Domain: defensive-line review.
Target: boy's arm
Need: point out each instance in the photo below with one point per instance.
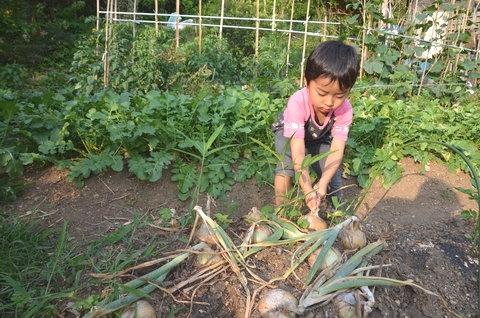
(297, 146)
(332, 164)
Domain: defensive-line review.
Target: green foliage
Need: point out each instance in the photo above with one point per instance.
(381, 125)
(12, 76)
(34, 271)
(9, 191)
(163, 103)
(471, 214)
(40, 34)
(92, 133)
(149, 62)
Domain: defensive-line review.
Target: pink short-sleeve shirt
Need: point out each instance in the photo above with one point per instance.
(299, 119)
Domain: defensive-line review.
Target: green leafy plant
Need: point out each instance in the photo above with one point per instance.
(13, 76)
(380, 126)
(9, 191)
(215, 167)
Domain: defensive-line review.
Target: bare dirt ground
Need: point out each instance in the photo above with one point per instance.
(418, 217)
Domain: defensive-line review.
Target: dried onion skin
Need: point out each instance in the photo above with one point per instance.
(277, 303)
(139, 309)
(353, 237)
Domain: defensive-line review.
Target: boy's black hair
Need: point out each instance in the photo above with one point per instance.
(335, 60)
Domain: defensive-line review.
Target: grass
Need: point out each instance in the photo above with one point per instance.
(33, 273)
(41, 269)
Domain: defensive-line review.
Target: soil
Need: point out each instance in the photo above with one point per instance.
(419, 217)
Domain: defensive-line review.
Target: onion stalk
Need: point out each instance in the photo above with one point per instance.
(157, 276)
(332, 256)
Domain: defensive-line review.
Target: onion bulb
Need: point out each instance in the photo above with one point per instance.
(139, 309)
(277, 303)
(345, 304)
(204, 235)
(332, 256)
(207, 259)
(314, 222)
(352, 236)
(261, 233)
(253, 215)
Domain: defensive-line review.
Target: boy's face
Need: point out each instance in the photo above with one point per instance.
(326, 94)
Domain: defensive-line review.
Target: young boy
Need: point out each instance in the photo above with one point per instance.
(317, 119)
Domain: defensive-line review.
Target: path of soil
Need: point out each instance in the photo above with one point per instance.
(419, 218)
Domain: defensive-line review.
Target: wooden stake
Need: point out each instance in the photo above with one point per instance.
(156, 17)
(106, 67)
(134, 18)
(134, 29)
(304, 44)
(289, 38)
(177, 26)
(364, 34)
(325, 28)
(115, 14)
(199, 26)
(273, 14)
(98, 15)
(97, 28)
(221, 20)
(257, 28)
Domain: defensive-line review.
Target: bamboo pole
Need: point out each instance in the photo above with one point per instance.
(462, 30)
(115, 14)
(449, 61)
(273, 14)
(177, 26)
(289, 38)
(257, 29)
(199, 26)
(134, 29)
(257, 36)
(325, 19)
(304, 44)
(134, 19)
(364, 34)
(98, 15)
(156, 17)
(106, 67)
(97, 26)
(221, 20)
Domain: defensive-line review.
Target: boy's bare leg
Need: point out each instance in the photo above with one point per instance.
(282, 185)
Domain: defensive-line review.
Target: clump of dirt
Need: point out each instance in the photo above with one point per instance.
(419, 217)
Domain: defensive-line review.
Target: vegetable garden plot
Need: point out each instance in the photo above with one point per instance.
(343, 280)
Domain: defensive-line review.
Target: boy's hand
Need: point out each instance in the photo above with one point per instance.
(312, 200)
(321, 191)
